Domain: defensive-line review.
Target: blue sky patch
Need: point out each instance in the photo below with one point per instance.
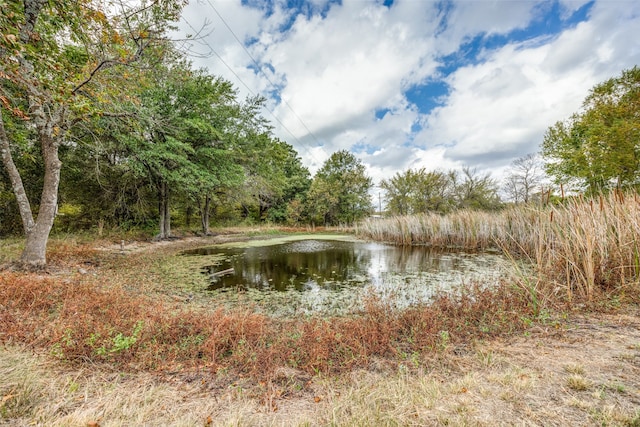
(363, 147)
(548, 22)
(427, 96)
(381, 112)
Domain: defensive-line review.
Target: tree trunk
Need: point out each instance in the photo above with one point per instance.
(36, 243)
(16, 181)
(167, 214)
(205, 213)
(37, 232)
(188, 215)
(163, 210)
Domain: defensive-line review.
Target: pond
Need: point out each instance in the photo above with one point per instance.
(333, 274)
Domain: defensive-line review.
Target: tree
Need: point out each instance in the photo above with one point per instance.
(295, 183)
(475, 191)
(599, 148)
(418, 191)
(524, 177)
(58, 62)
(98, 180)
(182, 142)
(399, 192)
(210, 108)
(339, 192)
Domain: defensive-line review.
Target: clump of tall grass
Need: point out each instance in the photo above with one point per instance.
(580, 247)
(591, 246)
(465, 228)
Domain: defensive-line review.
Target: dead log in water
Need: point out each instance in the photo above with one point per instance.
(222, 273)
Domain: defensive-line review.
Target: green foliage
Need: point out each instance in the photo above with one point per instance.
(63, 64)
(118, 343)
(139, 144)
(597, 149)
(339, 193)
(475, 191)
(418, 191)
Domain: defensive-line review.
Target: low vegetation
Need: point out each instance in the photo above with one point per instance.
(130, 140)
(78, 320)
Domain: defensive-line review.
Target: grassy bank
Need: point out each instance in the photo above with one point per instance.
(586, 374)
(82, 320)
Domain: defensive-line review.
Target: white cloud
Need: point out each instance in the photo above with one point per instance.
(335, 71)
(500, 109)
(468, 19)
(342, 68)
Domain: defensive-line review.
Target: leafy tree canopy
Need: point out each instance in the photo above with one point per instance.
(599, 147)
(419, 191)
(339, 192)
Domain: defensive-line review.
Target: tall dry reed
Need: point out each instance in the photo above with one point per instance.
(579, 247)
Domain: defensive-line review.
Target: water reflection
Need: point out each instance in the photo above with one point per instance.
(324, 272)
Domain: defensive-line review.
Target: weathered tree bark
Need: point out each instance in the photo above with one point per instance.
(37, 231)
(163, 210)
(49, 126)
(16, 181)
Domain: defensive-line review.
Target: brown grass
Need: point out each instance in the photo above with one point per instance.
(519, 380)
(82, 322)
(580, 249)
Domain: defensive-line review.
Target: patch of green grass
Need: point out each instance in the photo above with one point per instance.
(10, 249)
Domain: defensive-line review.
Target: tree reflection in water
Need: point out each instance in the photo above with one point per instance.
(334, 276)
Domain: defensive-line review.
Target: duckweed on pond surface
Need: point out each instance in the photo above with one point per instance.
(331, 275)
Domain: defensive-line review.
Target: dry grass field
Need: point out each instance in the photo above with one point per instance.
(585, 372)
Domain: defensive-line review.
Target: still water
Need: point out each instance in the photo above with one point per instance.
(334, 276)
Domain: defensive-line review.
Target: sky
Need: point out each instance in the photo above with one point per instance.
(410, 83)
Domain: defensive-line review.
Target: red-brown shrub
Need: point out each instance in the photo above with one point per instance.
(83, 322)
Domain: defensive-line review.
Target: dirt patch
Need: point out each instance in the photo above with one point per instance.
(587, 374)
